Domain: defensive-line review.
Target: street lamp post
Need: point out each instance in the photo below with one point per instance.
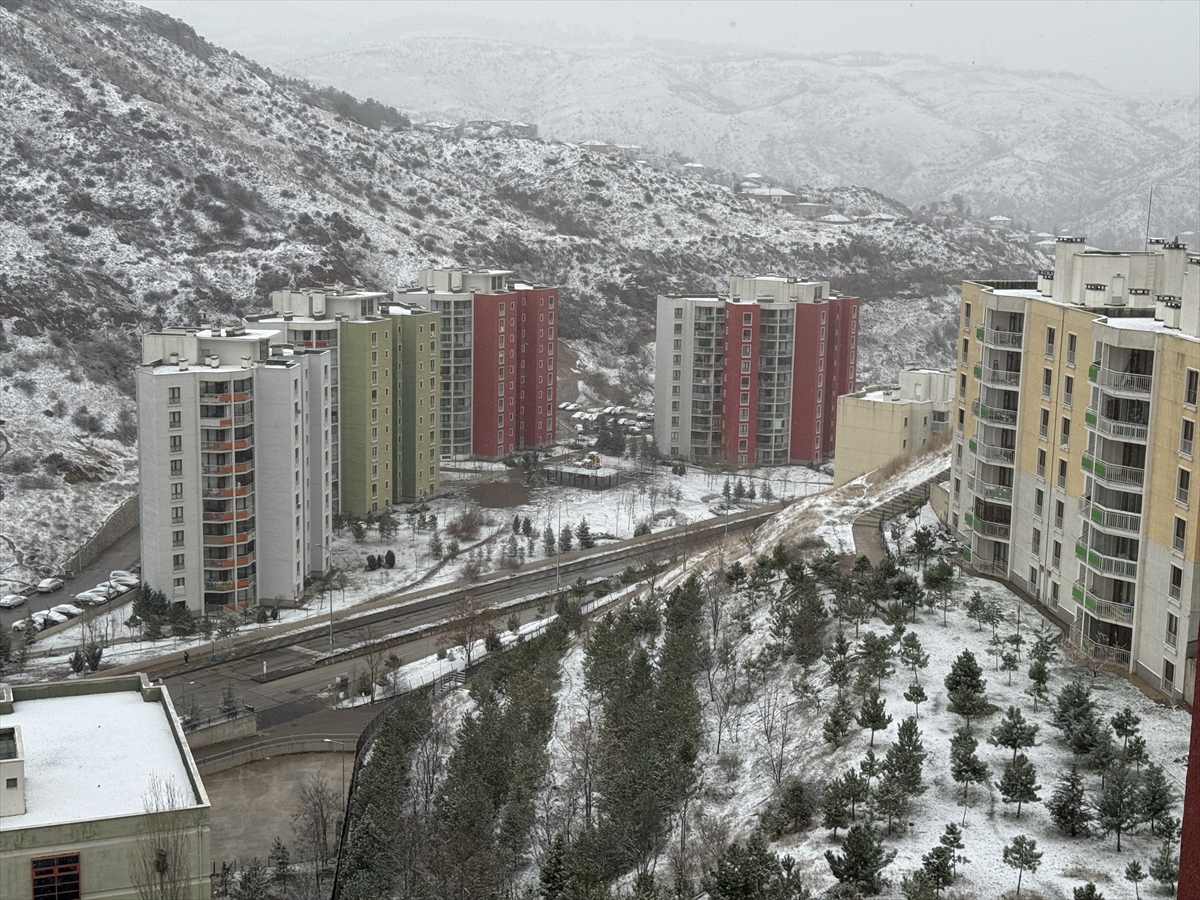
(331, 618)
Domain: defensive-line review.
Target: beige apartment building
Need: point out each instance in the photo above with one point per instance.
(101, 796)
(1073, 452)
(885, 422)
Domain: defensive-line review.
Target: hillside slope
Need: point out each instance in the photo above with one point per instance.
(148, 177)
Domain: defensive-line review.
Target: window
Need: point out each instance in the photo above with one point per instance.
(1172, 629)
(1062, 473)
(679, 312)
(966, 350)
(745, 384)
(745, 365)
(176, 513)
(678, 329)
(1168, 674)
(176, 443)
(178, 582)
(1072, 340)
(1064, 434)
(1038, 497)
(56, 878)
(374, 338)
(1058, 514)
(743, 399)
(1035, 546)
(676, 374)
(746, 335)
(746, 351)
(1041, 464)
(747, 319)
(962, 386)
(1191, 387)
(744, 430)
(957, 487)
(677, 344)
(175, 419)
(177, 491)
(1187, 437)
(1050, 343)
(1047, 381)
(961, 417)
(173, 396)
(1068, 391)
(1054, 592)
(1180, 537)
(177, 561)
(1184, 485)
(744, 414)
(1056, 556)
(177, 468)
(966, 315)
(1175, 586)
(1044, 424)
(176, 538)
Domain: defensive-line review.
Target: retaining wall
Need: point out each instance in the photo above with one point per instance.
(119, 521)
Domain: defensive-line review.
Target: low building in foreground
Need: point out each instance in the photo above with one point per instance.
(100, 795)
(891, 421)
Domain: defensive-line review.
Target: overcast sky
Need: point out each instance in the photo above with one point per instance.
(1138, 47)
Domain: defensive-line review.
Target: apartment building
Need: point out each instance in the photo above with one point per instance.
(235, 466)
(498, 360)
(376, 459)
(891, 421)
(415, 348)
(1072, 458)
(752, 378)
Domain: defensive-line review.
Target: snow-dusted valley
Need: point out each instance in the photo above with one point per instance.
(147, 177)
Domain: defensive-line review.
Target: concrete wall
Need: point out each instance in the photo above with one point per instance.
(939, 500)
(219, 732)
(119, 521)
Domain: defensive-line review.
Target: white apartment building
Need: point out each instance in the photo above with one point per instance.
(235, 468)
(1074, 441)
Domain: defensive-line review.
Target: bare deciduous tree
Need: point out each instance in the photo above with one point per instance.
(469, 624)
(160, 861)
(314, 821)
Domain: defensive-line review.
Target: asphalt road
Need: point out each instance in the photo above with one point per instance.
(295, 673)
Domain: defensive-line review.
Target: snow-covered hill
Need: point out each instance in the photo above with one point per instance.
(148, 177)
(1048, 148)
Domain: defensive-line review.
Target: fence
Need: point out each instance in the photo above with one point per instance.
(239, 756)
(119, 521)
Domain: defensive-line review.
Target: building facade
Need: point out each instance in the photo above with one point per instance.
(498, 360)
(1073, 447)
(131, 821)
(752, 378)
(887, 422)
(235, 468)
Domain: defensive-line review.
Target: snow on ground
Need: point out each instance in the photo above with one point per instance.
(737, 791)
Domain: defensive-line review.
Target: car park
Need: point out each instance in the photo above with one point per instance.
(91, 598)
(67, 609)
(50, 618)
(109, 589)
(124, 578)
(50, 585)
(12, 601)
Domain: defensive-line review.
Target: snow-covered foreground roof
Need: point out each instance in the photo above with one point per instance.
(92, 756)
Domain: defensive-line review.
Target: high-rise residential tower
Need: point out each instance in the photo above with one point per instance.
(1073, 453)
(753, 378)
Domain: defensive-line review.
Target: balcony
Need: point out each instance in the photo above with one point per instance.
(1114, 520)
(216, 445)
(1004, 455)
(999, 492)
(218, 540)
(1121, 613)
(1002, 377)
(1114, 428)
(1107, 565)
(1126, 382)
(993, 337)
(1117, 476)
(992, 415)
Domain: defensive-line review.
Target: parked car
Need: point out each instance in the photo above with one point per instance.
(124, 578)
(21, 624)
(50, 585)
(51, 618)
(67, 609)
(12, 601)
(110, 589)
(92, 598)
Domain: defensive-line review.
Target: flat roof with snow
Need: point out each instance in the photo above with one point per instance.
(92, 756)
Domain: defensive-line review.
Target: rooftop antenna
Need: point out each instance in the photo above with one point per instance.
(1149, 207)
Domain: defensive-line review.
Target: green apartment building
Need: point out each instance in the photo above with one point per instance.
(367, 416)
(415, 457)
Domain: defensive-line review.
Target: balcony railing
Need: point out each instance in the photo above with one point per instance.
(992, 452)
(1120, 381)
(998, 376)
(1129, 431)
(1121, 476)
(1108, 565)
(1103, 609)
(994, 491)
(991, 529)
(1113, 520)
(995, 338)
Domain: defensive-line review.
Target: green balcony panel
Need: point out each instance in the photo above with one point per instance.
(1090, 418)
(1081, 551)
(1077, 592)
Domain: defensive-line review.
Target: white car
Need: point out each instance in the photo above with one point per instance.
(66, 609)
(109, 589)
(20, 625)
(124, 578)
(50, 585)
(91, 598)
(50, 618)
(12, 601)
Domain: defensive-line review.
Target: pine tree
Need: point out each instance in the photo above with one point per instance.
(1009, 662)
(966, 767)
(1117, 803)
(739, 490)
(965, 686)
(906, 757)
(862, 860)
(565, 540)
(1039, 677)
(1068, 805)
(281, 859)
(917, 885)
(527, 527)
(253, 884)
(1135, 874)
(952, 838)
(875, 665)
(1156, 800)
(1087, 892)
(1075, 712)
(890, 801)
(584, 532)
(916, 696)
(727, 492)
(837, 722)
(1019, 783)
(1023, 855)
(435, 546)
(912, 654)
(548, 542)
(856, 789)
(553, 875)
(872, 714)
(835, 806)
(975, 610)
(1136, 753)
(1014, 732)
(870, 767)
(1125, 724)
(1164, 868)
(938, 864)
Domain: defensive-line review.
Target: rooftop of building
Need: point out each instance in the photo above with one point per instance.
(92, 749)
(337, 290)
(198, 368)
